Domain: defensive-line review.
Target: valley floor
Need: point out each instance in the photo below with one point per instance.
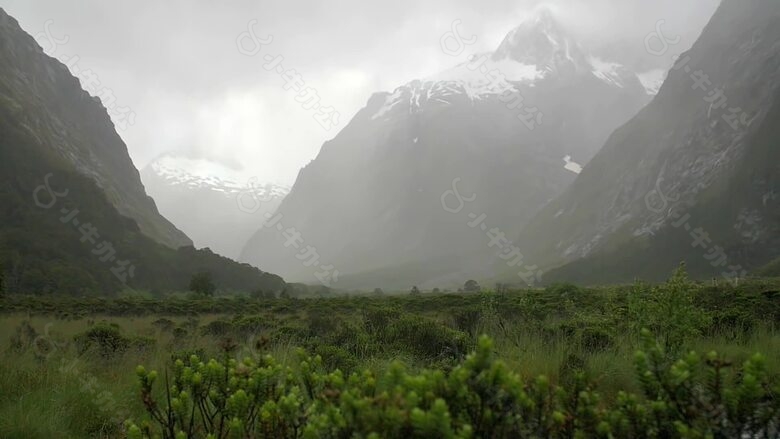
(69, 365)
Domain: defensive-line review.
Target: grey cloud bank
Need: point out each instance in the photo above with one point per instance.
(177, 66)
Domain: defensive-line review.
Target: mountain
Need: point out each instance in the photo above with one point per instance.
(78, 131)
(694, 176)
(74, 218)
(502, 123)
(214, 205)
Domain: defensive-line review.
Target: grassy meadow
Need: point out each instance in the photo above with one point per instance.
(69, 366)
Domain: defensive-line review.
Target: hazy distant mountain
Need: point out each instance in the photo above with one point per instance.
(370, 203)
(214, 205)
(74, 217)
(678, 182)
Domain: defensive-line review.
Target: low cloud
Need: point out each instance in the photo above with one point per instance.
(177, 66)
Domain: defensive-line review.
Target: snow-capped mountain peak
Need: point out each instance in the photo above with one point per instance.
(501, 119)
(541, 41)
(537, 51)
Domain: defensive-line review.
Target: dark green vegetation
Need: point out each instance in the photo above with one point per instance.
(772, 269)
(562, 362)
(202, 284)
(692, 397)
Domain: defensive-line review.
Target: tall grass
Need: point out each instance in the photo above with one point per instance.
(558, 333)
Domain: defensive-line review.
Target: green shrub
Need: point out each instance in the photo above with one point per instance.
(691, 397)
(354, 339)
(185, 354)
(468, 320)
(103, 338)
(217, 328)
(732, 323)
(564, 290)
(321, 322)
(595, 339)
(376, 321)
(471, 286)
(202, 284)
(23, 338)
(179, 333)
(107, 340)
(668, 310)
(251, 325)
(428, 339)
(163, 324)
(336, 357)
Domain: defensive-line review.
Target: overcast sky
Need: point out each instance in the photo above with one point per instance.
(177, 66)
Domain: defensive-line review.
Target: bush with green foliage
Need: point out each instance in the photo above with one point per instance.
(107, 341)
(468, 320)
(693, 397)
(563, 332)
(669, 310)
(2, 280)
(202, 284)
(427, 339)
(259, 294)
(471, 286)
(217, 328)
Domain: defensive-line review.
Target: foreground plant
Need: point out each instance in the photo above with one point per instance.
(694, 397)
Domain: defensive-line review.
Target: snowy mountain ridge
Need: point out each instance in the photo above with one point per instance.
(515, 125)
(538, 50)
(177, 170)
(217, 206)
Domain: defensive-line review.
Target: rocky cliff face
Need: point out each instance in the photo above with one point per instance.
(503, 123)
(693, 177)
(69, 123)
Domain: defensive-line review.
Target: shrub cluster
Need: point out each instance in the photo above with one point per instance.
(107, 341)
(693, 397)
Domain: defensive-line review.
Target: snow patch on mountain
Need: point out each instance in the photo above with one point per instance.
(481, 70)
(391, 101)
(609, 72)
(178, 170)
(652, 80)
(571, 165)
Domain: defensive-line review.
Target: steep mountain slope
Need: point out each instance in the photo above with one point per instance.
(60, 231)
(214, 205)
(679, 182)
(62, 116)
(502, 123)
